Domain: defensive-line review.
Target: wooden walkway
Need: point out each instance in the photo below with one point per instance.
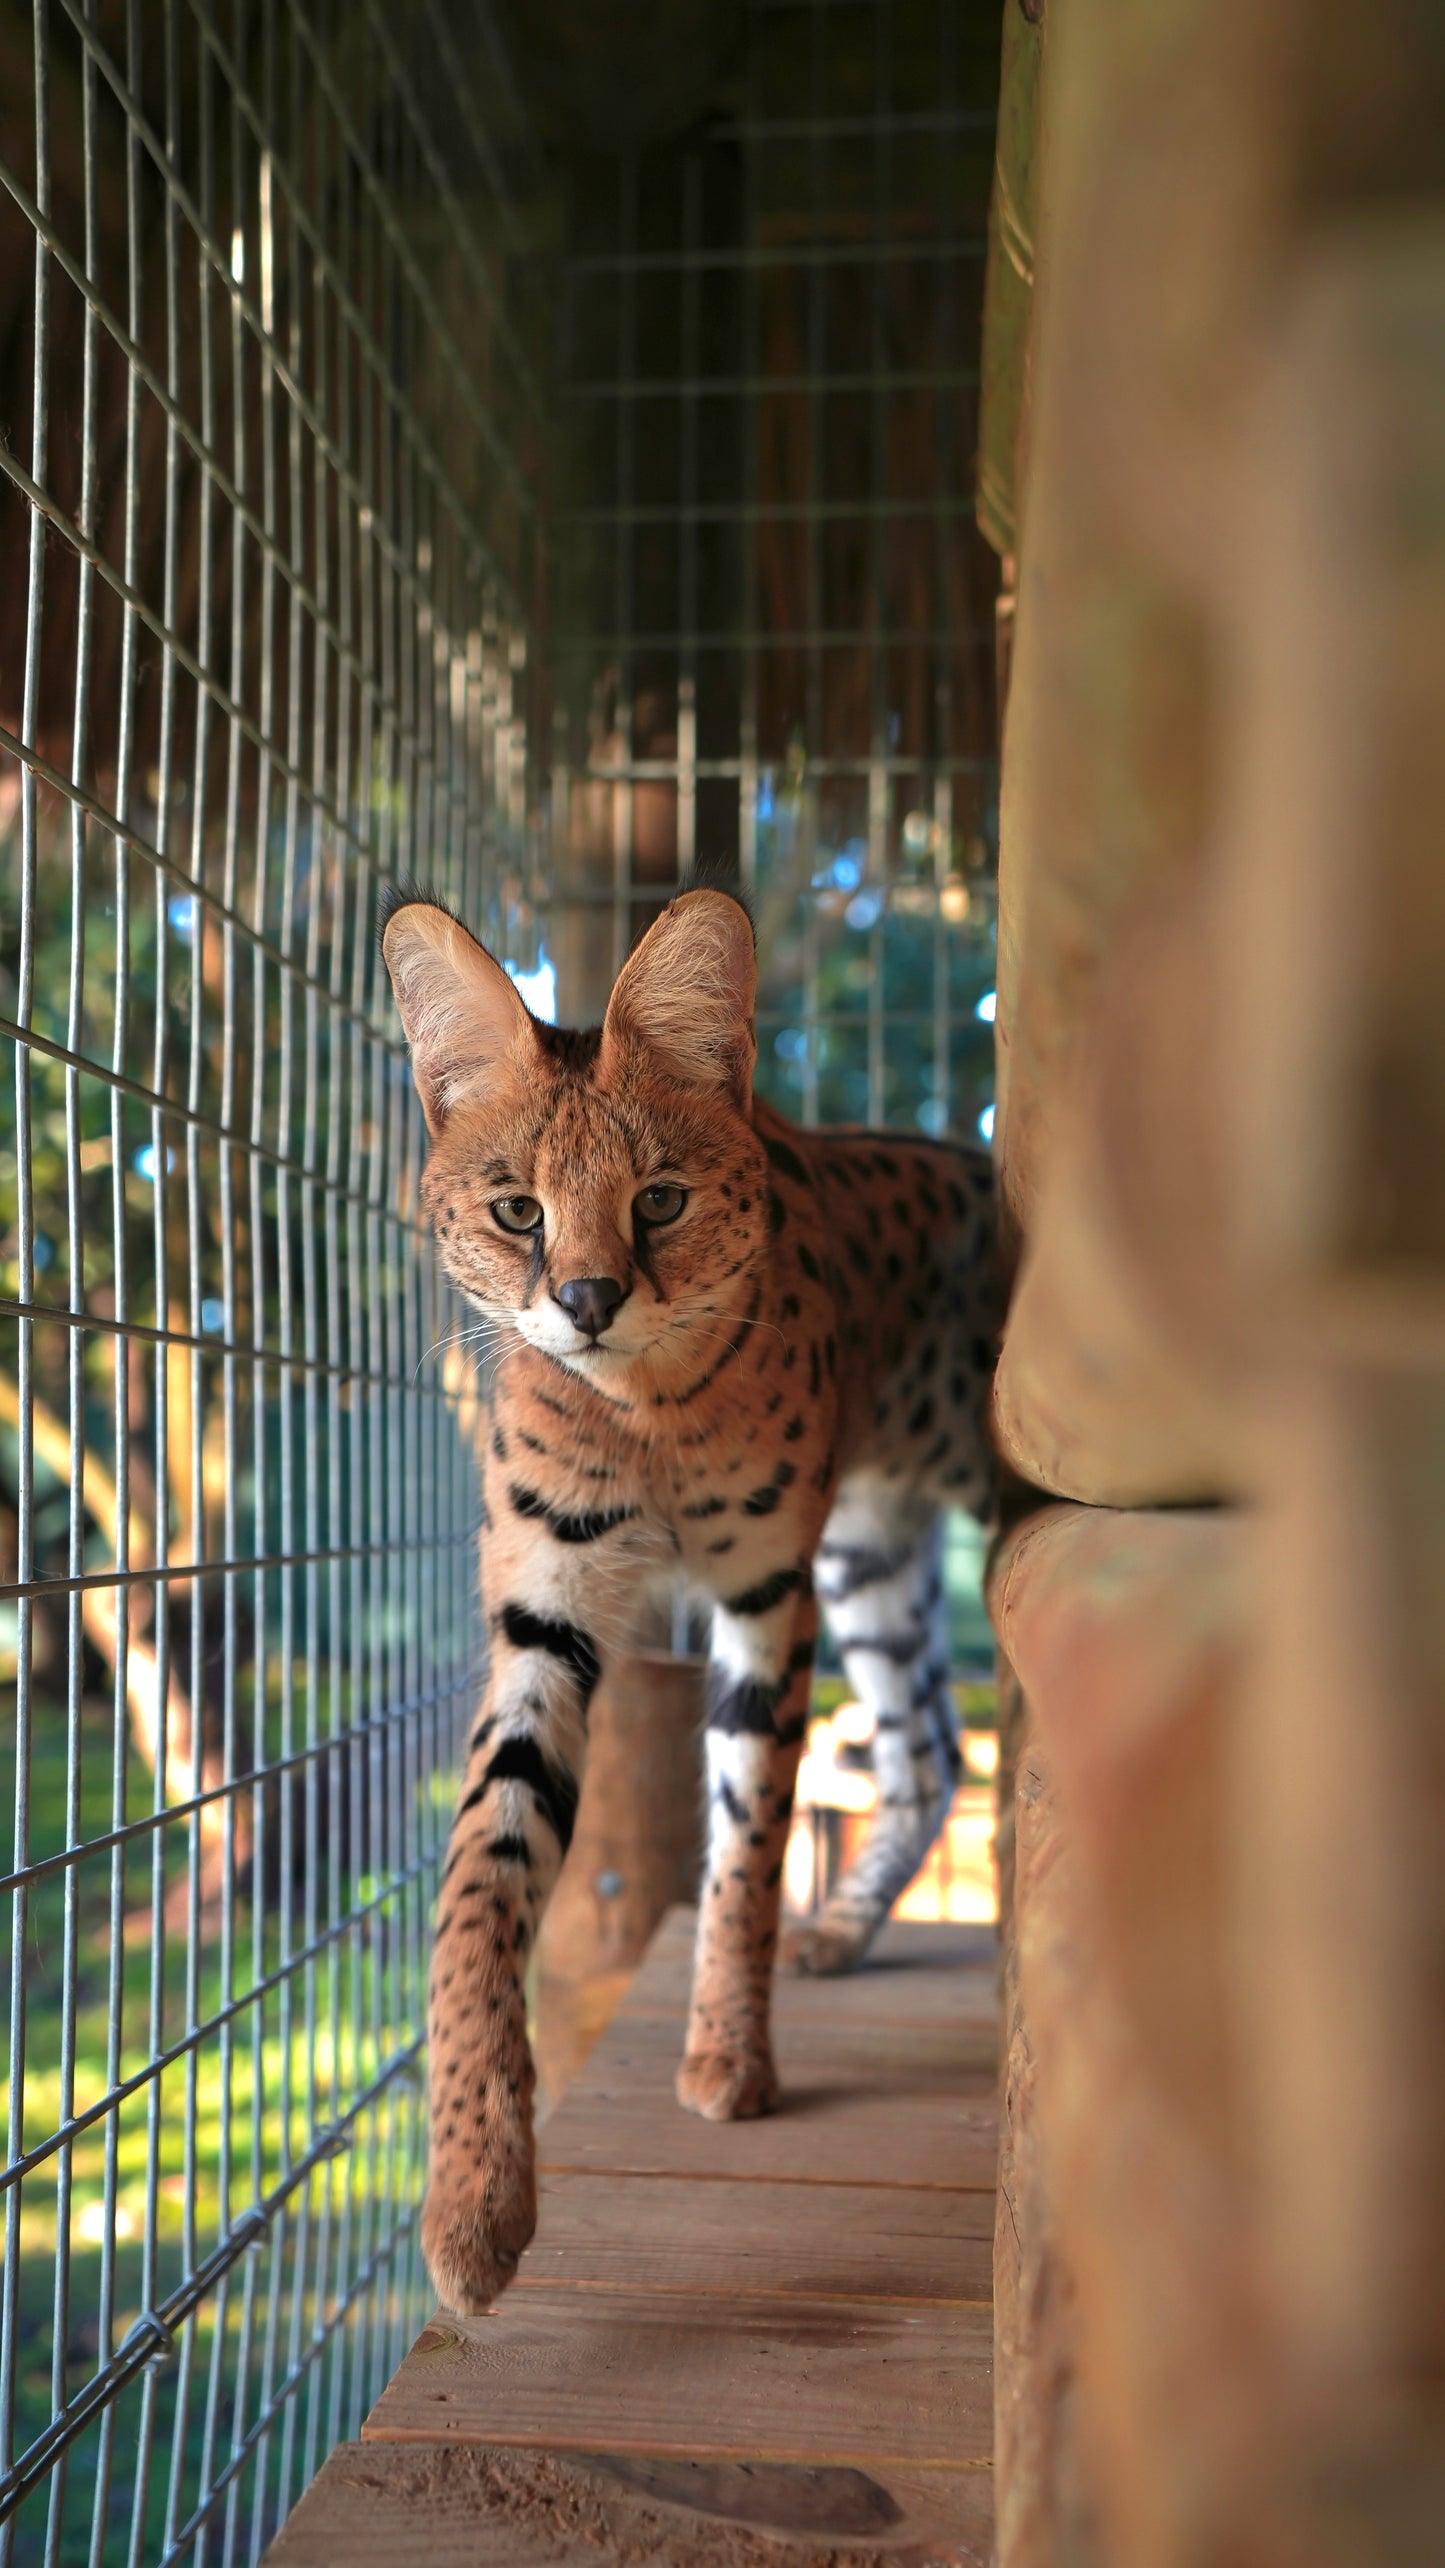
(765, 2342)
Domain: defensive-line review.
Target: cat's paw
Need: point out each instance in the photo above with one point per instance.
(473, 2236)
(831, 1948)
(728, 2086)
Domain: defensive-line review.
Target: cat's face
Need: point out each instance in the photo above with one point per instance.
(606, 1195)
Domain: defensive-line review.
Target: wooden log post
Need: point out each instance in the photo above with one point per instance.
(1222, 1121)
(636, 1852)
(1033, 2294)
(1340, 1116)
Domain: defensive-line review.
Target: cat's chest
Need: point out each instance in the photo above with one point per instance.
(700, 1476)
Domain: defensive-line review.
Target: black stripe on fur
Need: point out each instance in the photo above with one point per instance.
(565, 1641)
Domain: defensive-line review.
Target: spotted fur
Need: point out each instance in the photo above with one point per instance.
(727, 1347)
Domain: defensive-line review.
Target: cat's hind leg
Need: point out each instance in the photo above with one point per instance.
(879, 1578)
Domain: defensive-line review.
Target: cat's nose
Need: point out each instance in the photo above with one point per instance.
(590, 1302)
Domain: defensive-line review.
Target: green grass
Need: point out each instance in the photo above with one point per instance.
(293, 2062)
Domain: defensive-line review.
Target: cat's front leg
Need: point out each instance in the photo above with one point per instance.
(513, 1826)
(758, 1684)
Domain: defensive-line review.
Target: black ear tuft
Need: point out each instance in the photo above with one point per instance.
(713, 874)
(406, 893)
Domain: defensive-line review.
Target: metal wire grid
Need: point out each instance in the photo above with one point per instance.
(777, 647)
(269, 519)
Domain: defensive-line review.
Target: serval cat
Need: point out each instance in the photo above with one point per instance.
(751, 1354)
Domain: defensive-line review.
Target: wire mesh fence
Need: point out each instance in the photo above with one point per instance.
(269, 526)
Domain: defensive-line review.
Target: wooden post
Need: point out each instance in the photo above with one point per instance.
(1222, 1125)
(637, 1851)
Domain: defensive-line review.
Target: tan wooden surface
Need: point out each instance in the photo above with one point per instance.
(379, 2505)
(742, 2344)
(835, 2129)
(841, 2241)
(639, 2054)
(706, 2373)
(915, 1975)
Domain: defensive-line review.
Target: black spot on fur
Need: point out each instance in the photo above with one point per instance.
(510, 1850)
(897, 1647)
(741, 1706)
(786, 1159)
(844, 1569)
(588, 1528)
(552, 1786)
(566, 1641)
(770, 1591)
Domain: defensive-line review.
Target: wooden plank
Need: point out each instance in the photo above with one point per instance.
(929, 1974)
(836, 2129)
(877, 2058)
(673, 2234)
(727, 2343)
(376, 2505)
(703, 2377)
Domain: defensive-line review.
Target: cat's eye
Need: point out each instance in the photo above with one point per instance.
(658, 1204)
(517, 1213)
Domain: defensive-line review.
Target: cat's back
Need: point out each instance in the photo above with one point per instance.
(909, 1235)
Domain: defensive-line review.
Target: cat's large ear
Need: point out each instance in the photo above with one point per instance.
(687, 996)
(463, 1018)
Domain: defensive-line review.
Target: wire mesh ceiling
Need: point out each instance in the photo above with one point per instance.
(278, 376)
(269, 519)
